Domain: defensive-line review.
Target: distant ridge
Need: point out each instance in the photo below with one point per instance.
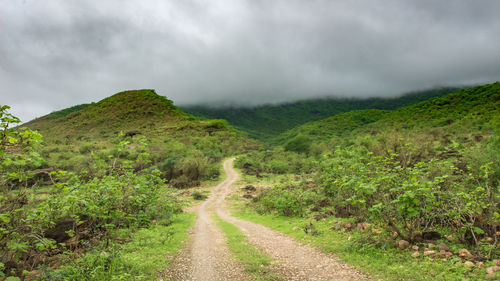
(470, 111)
(267, 121)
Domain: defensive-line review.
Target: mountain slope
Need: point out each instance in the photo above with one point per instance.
(267, 121)
(122, 111)
(473, 111)
(185, 149)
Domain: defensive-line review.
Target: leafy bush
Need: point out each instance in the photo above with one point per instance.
(119, 193)
(286, 200)
(198, 195)
(413, 199)
(299, 143)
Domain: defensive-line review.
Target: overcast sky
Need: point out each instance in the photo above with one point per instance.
(59, 53)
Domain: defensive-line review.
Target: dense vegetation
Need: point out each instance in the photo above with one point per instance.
(43, 216)
(267, 121)
(423, 173)
(428, 172)
(99, 169)
(184, 149)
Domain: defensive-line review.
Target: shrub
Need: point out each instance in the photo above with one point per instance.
(198, 195)
(84, 149)
(286, 200)
(299, 143)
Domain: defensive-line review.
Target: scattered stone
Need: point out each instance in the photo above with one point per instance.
(249, 188)
(469, 264)
(429, 253)
(489, 240)
(443, 247)
(432, 260)
(497, 262)
(247, 196)
(449, 254)
(464, 253)
(480, 265)
(416, 254)
(444, 260)
(492, 269)
(430, 245)
(497, 233)
(415, 248)
(362, 226)
(442, 254)
(403, 244)
(318, 217)
(348, 226)
(449, 237)
(490, 276)
(295, 228)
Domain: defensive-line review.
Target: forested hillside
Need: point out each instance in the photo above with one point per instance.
(267, 121)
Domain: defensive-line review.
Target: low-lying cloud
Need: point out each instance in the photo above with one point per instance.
(58, 53)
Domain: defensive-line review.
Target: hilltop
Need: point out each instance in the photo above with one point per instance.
(267, 121)
(128, 110)
(184, 148)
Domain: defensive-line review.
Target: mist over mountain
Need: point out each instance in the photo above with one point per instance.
(54, 55)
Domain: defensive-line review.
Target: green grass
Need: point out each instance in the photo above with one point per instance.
(383, 261)
(150, 248)
(256, 263)
(144, 256)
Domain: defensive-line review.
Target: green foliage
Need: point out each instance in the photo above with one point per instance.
(335, 126)
(432, 167)
(67, 111)
(275, 161)
(117, 193)
(143, 258)
(367, 250)
(299, 143)
(267, 121)
(286, 200)
(198, 195)
(185, 150)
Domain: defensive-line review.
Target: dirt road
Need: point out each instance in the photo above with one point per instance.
(209, 258)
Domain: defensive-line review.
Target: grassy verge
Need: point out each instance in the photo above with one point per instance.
(143, 257)
(256, 263)
(379, 261)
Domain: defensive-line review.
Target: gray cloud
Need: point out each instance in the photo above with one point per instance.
(58, 53)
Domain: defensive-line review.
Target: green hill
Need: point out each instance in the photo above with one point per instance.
(473, 111)
(267, 121)
(129, 110)
(184, 148)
